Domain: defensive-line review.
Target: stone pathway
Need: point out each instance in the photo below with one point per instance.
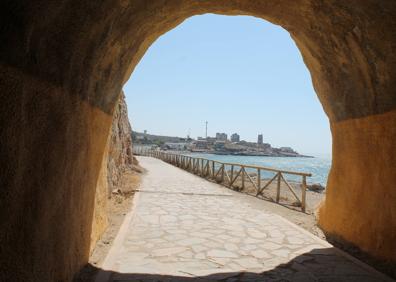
(184, 228)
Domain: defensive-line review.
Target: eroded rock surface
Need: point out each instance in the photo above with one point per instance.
(120, 157)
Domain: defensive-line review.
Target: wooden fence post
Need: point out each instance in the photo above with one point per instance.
(243, 177)
(303, 191)
(278, 188)
(258, 179)
(222, 173)
(232, 174)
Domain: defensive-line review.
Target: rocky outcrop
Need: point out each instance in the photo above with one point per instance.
(117, 160)
(120, 157)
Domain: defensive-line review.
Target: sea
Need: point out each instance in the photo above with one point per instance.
(318, 166)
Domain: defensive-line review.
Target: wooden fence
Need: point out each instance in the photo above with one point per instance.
(219, 172)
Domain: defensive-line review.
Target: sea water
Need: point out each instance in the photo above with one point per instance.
(319, 166)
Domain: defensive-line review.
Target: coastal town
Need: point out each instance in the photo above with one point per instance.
(220, 145)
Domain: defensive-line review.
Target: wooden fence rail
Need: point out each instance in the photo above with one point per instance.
(218, 172)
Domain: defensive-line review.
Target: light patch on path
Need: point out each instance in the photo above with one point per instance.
(184, 228)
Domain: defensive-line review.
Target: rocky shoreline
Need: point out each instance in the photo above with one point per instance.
(258, 154)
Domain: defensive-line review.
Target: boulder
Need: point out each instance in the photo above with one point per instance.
(316, 187)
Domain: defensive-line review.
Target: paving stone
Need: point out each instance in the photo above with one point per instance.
(201, 234)
(191, 241)
(248, 262)
(281, 253)
(294, 240)
(153, 219)
(231, 247)
(219, 261)
(256, 233)
(253, 241)
(187, 254)
(270, 246)
(248, 247)
(198, 248)
(167, 218)
(175, 237)
(221, 254)
(167, 251)
(200, 256)
(260, 254)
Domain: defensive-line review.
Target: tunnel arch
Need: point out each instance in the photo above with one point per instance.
(63, 67)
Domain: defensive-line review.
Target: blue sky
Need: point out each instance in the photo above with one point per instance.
(241, 74)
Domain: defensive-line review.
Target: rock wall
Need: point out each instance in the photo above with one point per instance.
(118, 158)
(51, 151)
(360, 206)
(100, 219)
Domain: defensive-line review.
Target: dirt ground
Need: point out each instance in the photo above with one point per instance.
(119, 204)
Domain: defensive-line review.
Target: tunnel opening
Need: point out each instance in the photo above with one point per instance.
(243, 75)
(62, 70)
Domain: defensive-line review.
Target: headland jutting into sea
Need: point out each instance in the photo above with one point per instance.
(219, 145)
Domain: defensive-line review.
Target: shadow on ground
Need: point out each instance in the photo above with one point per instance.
(322, 265)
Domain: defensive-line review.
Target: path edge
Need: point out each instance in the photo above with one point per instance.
(105, 270)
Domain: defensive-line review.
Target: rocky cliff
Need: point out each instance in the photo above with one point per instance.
(117, 161)
(120, 157)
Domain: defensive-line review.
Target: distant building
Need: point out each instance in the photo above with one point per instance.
(200, 145)
(286, 150)
(266, 146)
(221, 136)
(174, 146)
(219, 146)
(235, 137)
(260, 139)
(210, 140)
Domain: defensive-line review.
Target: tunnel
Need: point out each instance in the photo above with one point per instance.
(63, 65)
